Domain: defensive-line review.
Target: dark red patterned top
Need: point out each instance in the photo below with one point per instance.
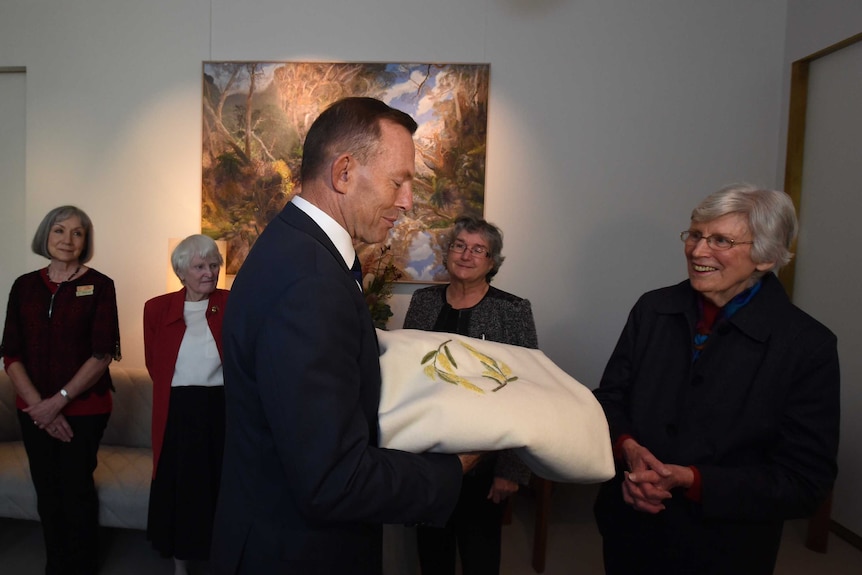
(53, 330)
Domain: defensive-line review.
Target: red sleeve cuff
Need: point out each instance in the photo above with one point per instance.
(695, 492)
(7, 361)
(618, 446)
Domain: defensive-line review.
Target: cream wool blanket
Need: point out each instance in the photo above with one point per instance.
(449, 393)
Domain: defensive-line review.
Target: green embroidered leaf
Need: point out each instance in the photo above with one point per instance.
(444, 367)
(494, 368)
(442, 362)
(449, 355)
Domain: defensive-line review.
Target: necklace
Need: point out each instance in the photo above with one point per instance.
(74, 273)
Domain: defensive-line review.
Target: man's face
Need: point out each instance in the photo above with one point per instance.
(383, 186)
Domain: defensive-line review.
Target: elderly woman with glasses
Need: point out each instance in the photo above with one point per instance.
(470, 306)
(723, 403)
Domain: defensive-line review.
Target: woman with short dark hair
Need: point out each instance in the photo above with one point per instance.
(470, 306)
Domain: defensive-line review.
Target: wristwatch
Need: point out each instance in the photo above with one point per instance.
(65, 394)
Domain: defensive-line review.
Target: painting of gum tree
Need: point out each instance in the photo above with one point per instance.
(256, 116)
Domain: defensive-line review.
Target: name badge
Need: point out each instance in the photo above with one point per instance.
(84, 290)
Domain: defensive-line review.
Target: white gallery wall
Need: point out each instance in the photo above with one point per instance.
(609, 120)
(13, 141)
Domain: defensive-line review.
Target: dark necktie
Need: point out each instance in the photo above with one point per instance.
(356, 270)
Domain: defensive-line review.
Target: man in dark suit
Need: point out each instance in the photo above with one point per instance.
(305, 489)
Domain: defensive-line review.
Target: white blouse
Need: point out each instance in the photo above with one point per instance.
(198, 362)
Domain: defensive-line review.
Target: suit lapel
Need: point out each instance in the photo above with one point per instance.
(295, 217)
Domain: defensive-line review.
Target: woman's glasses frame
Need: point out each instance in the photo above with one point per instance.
(715, 241)
(459, 247)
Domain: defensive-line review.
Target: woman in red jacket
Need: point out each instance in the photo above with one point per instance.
(183, 351)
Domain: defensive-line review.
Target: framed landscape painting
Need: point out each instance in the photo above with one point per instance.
(256, 116)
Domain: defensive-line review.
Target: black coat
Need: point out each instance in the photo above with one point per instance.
(757, 414)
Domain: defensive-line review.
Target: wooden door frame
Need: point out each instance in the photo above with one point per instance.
(820, 523)
(798, 108)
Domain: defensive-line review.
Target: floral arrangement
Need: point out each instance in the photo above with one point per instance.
(378, 288)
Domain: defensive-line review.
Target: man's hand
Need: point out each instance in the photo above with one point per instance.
(501, 489)
(469, 460)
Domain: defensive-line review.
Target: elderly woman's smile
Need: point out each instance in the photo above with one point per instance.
(720, 274)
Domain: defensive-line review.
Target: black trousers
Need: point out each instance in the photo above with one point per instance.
(474, 529)
(66, 494)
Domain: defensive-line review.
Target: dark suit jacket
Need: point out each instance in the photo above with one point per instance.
(757, 414)
(164, 328)
(305, 489)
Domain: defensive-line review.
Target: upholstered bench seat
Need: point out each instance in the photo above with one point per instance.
(125, 455)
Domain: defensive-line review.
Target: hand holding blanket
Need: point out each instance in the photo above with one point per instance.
(449, 393)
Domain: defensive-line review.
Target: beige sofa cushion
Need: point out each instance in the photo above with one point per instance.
(17, 496)
(9, 429)
(131, 419)
(123, 482)
(125, 455)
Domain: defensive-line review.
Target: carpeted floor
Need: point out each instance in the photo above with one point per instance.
(573, 548)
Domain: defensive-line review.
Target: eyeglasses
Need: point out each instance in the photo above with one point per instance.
(715, 241)
(458, 247)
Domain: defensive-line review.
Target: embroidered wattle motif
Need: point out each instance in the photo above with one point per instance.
(443, 365)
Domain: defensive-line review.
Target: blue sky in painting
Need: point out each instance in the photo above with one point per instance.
(421, 257)
(401, 95)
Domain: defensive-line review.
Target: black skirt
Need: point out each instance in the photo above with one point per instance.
(184, 492)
